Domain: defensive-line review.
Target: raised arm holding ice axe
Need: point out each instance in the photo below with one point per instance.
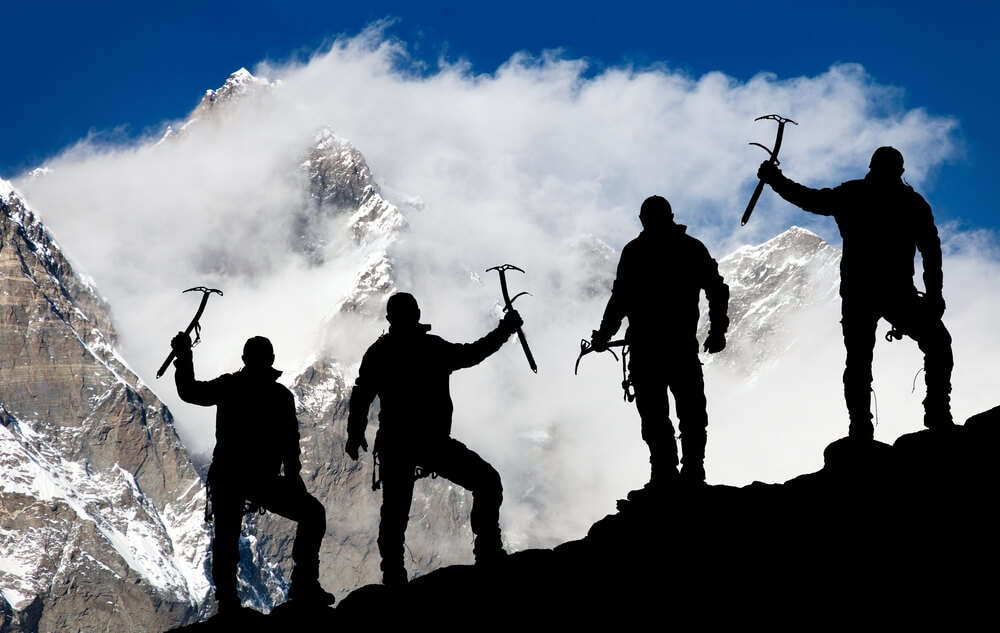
(883, 222)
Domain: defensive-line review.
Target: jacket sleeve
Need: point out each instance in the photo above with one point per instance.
(929, 245)
(362, 395)
(194, 391)
(617, 306)
(290, 449)
(717, 293)
(462, 355)
(819, 201)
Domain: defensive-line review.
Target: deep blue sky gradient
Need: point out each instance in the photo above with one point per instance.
(121, 68)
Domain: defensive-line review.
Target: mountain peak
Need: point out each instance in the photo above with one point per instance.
(6, 189)
(239, 83)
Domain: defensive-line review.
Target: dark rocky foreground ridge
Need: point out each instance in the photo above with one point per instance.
(889, 534)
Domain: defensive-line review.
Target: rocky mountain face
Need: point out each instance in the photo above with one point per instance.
(100, 507)
(340, 184)
(768, 284)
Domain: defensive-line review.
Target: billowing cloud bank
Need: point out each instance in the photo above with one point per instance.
(521, 165)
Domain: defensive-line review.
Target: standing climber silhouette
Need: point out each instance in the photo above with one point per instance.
(660, 276)
(408, 369)
(256, 435)
(883, 222)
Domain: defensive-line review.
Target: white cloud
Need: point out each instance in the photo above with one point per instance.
(512, 166)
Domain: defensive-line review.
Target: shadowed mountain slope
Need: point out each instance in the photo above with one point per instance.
(888, 533)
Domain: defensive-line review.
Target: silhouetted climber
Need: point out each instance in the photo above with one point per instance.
(660, 276)
(408, 369)
(256, 435)
(883, 222)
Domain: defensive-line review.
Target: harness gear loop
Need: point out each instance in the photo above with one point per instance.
(629, 395)
(376, 470)
(419, 472)
(913, 388)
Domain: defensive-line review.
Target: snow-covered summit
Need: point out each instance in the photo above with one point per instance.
(6, 189)
(768, 284)
(237, 86)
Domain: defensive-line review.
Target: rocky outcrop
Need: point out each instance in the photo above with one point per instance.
(340, 184)
(100, 507)
(238, 86)
(768, 283)
(902, 534)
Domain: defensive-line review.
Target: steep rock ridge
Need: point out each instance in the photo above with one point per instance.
(876, 527)
(100, 507)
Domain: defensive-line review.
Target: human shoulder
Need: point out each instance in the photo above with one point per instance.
(378, 346)
(858, 184)
(690, 243)
(433, 340)
(918, 199)
(632, 246)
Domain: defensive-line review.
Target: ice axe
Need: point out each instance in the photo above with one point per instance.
(509, 305)
(194, 325)
(586, 347)
(773, 160)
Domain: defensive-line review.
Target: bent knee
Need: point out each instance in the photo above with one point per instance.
(314, 510)
(489, 484)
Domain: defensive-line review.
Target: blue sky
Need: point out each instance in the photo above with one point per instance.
(118, 70)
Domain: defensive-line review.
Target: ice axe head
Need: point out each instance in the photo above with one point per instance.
(776, 117)
(503, 268)
(204, 289)
(781, 127)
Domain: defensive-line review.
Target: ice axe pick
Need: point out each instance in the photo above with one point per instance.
(509, 305)
(773, 160)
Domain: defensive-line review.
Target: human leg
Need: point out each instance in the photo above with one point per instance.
(653, 406)
(290, 499)
(454, 461)
(687, 383)
(397, 494)
(859, 321)
(911, 315)
(228, 521)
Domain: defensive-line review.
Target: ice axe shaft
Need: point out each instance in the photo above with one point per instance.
(773, 159)
(509, 305)
(194, 325)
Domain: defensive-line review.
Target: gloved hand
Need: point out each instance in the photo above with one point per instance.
(935, 305)
(598, 341)
(511, 321)
(715, 343)
(768, 172)
(181, 344)
(353, 443)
